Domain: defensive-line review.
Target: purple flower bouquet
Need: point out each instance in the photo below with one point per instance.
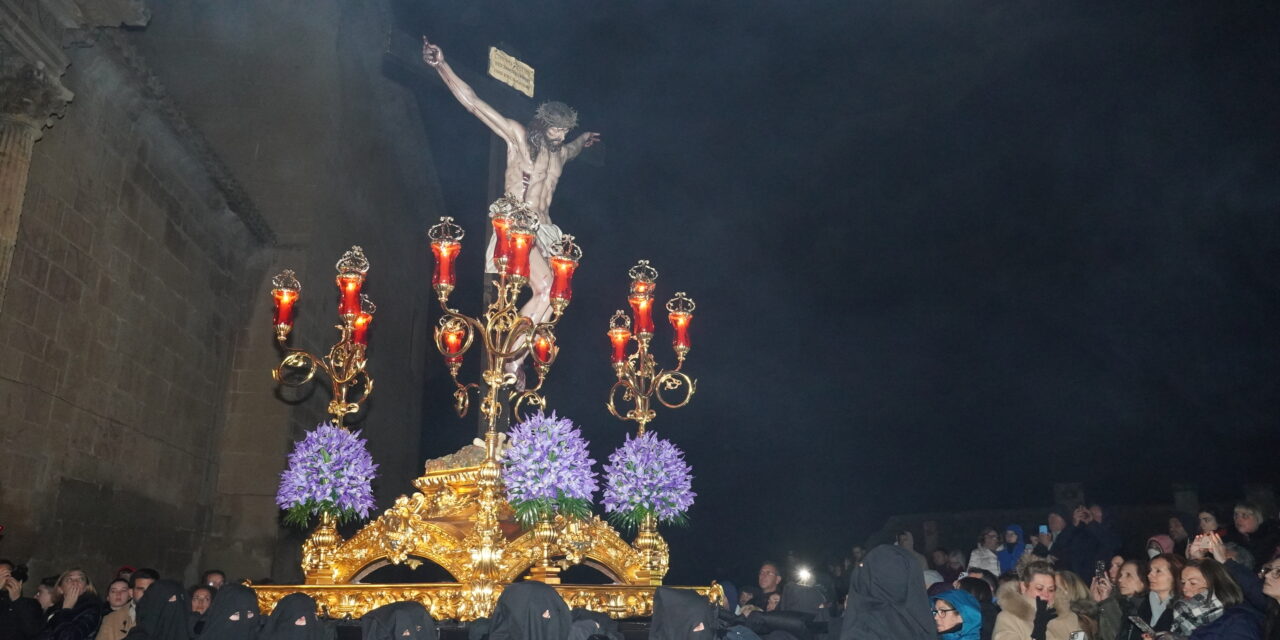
(330, 471)
(647, 476)
(546, 470)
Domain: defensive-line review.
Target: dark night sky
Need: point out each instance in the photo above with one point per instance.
(945, 253)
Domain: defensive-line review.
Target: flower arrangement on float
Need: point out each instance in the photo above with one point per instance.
(546, 470)
(647, 478)
(330, 473)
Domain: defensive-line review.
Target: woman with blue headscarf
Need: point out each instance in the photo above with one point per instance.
(957, 615)
(1015, 544)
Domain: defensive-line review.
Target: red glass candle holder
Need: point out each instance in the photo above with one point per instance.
(349, 286)
(642, 313)
(453, 338)
(445, 252)
(285, 292)
(680, 322)
(518, 262)
(360, 328)
(285, 299)
(542, 348)
(562, 273)
(502, 244)
(619, 336)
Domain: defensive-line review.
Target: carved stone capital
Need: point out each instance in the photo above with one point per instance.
(29, 93)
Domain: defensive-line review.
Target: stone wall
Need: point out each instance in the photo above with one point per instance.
(202, 154)
(128, 282)
(333, 154)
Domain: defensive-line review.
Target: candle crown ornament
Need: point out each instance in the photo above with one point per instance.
(345, 363)
(640, 380)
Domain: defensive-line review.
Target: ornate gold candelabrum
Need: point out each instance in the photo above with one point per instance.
(640, 381)
(507, 337)
(345, 363)
(458, 518)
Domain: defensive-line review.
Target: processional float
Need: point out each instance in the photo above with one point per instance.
(458, 517)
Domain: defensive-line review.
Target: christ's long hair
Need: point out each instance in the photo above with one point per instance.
(538, 140)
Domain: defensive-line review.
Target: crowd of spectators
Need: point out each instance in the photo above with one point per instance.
(1207, 577)
(140, 605)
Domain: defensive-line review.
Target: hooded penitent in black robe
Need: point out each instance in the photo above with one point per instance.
(605, 626)
(162, 613)
(682, 614)
(283, 623)
(196, 623)
(233, 615)
(887, 599)
(530, 611)
(408, 620)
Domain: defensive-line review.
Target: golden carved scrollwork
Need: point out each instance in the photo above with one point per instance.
(448, 601)
(434, 522)
(458, 520)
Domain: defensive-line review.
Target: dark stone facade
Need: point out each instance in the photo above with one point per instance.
(141, 424)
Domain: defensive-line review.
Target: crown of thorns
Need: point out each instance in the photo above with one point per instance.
(557, 114)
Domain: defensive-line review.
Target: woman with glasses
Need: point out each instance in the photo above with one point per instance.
(984, 556)
(1270, 577)
(957, 615)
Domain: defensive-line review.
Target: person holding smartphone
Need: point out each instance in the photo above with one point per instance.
(1155, 611)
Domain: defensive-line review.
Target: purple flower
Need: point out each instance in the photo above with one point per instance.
(546, 468)
(647, 475)
(330, 471)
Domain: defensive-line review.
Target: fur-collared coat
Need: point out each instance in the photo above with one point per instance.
(1018, 616)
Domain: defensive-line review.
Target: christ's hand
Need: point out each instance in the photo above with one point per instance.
(431, 54)
(591, 138)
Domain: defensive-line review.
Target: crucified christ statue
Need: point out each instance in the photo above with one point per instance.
(536, 155)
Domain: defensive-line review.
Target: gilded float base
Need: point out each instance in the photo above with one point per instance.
(448, 601)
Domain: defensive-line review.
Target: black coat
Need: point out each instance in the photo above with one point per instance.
(1261, 543)
(77, 623)
(20, 619)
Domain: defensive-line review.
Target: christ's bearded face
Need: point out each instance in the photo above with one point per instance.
(542, 137)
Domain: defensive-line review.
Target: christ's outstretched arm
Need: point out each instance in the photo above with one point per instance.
(506, 128)
(583, 141)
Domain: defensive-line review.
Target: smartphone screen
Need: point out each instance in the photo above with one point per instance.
(1044, 528)
(1141, 624)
